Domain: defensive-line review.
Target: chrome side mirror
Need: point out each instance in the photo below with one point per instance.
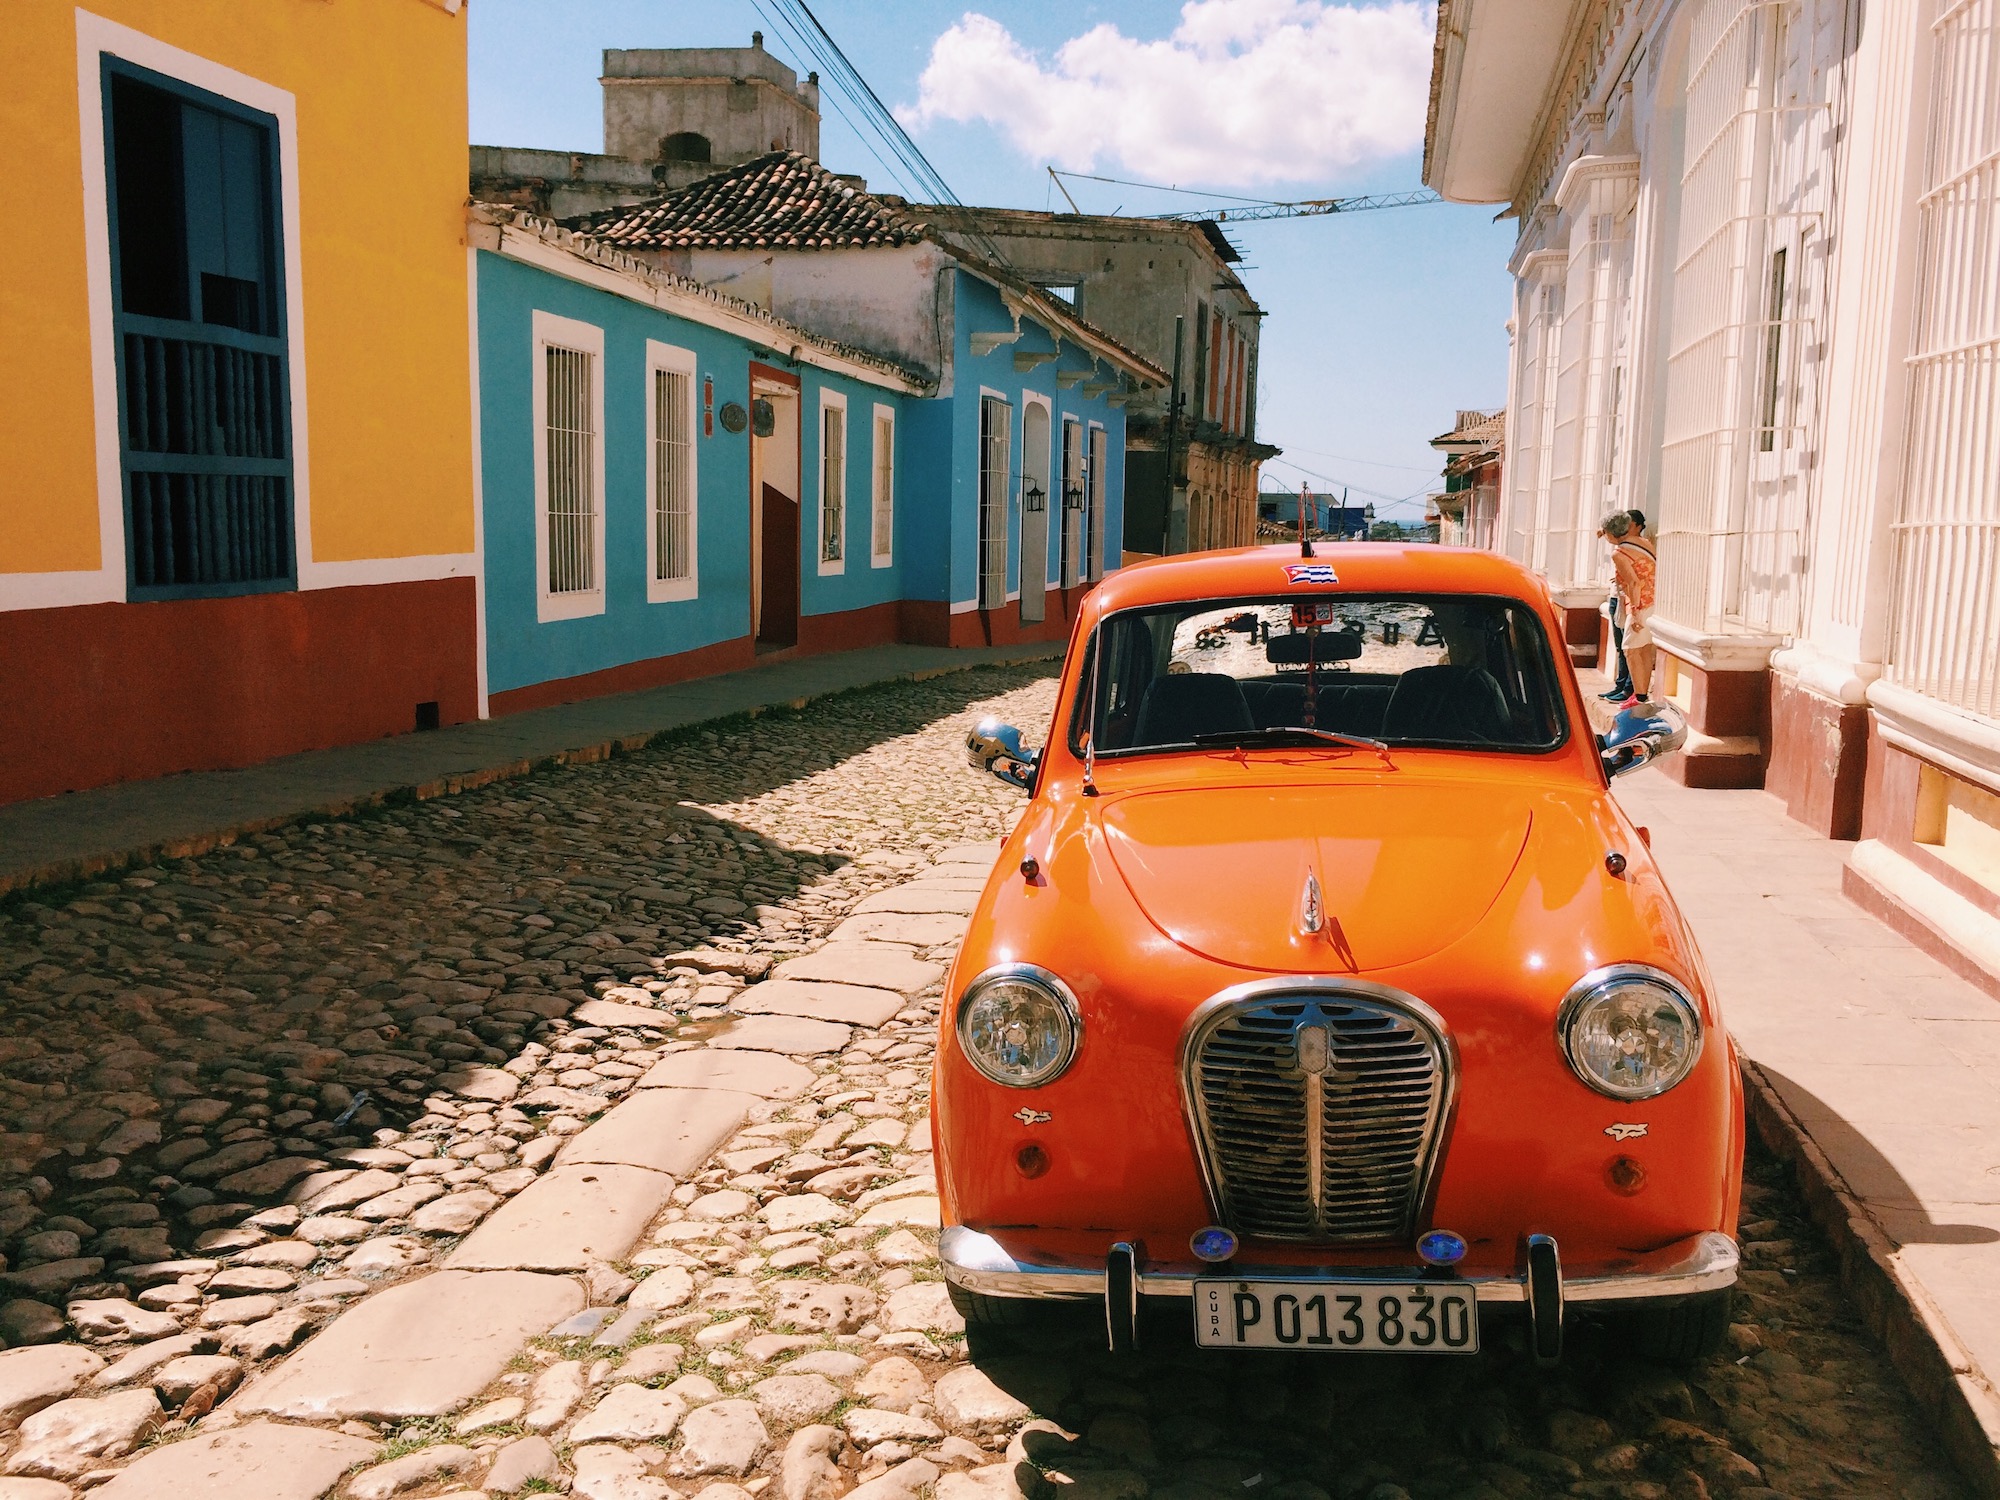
(1635, 738)
(996, 749)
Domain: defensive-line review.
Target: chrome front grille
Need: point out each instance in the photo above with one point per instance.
(1317, 1111)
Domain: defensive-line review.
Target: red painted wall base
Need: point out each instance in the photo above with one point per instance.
(98, 693)
(1819, 758)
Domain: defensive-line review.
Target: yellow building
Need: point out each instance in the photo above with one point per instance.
(236, 476)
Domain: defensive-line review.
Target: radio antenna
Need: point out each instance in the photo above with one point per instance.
(1305, 533)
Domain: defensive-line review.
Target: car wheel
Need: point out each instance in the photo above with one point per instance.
(1687, 1332)
(980, 1311)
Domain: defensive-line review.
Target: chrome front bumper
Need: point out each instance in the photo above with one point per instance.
(1702, 1263)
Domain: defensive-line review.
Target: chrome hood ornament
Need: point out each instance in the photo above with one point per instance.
(1312, 909)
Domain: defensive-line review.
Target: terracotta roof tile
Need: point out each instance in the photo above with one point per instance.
(781, 201)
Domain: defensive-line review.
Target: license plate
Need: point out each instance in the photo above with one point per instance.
(1363, 1316)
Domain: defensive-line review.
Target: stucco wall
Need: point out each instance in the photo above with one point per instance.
(886, 300)
(381, 308)
(523, 651)
(979, 309)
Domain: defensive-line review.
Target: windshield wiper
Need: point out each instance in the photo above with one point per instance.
(1236, 738)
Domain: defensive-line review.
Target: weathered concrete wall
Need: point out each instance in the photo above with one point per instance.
(742, 101)
(886, 300)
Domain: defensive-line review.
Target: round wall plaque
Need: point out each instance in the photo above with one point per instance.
(734, 417)
(763, 417)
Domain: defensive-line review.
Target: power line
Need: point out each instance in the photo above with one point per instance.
(1261, 208)
(818, 42)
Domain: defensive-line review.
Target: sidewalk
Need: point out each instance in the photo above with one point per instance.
(69, 837)
(1876, 1069)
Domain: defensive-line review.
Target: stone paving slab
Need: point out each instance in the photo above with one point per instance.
(611, 1013)
(663, 1130)
(256, 1461)
(571, 1218)
(887, 966)
(848, 1004)
(795, 1035)
(917, 929)
(764, 1074)
(922, 899)
(419, 1349)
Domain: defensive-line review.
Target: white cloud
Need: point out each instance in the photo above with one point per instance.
(1243, 91)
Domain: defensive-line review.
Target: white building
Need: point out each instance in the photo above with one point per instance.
(1757, 295)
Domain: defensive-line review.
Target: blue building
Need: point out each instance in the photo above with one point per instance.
(1020, 449)
(652, 457)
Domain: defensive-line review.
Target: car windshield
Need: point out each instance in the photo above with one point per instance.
(1448, 671)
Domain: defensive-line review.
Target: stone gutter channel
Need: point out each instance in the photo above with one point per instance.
(709, 1233)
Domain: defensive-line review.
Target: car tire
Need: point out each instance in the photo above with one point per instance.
(980, 1311)
(1687, 1332)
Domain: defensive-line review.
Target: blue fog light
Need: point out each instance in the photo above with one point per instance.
(1440, 1247)
(1212, 1244)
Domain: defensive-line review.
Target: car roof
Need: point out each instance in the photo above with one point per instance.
(1334, 567)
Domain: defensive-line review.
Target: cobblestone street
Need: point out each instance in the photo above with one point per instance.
(572, 1135)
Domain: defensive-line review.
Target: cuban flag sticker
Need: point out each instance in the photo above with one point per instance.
(1311, 572)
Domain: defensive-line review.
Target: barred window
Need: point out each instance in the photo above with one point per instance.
(996, 431)
(832, 484)
(670, 473)
(203, 350)
(569, 467)
(571, 477)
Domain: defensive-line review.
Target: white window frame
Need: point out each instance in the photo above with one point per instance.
(1093, 499)
(881, 478)
(550, 330)
(671, 359)
(829, 567)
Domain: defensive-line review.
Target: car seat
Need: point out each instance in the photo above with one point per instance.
(1180, 706)
(1448, 703)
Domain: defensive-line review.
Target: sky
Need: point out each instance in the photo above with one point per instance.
(1381, 325)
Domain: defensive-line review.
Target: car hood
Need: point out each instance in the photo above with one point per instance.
(1402, 871)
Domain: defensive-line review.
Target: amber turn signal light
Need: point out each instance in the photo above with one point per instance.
(1031, 1160)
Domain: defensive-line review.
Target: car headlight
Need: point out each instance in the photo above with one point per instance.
(1018, 1025)
(1629, 1031)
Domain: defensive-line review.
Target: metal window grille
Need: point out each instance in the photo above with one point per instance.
(832, 482)
(572, 478)
(996, 420)
(203, 355)
(1946, 640)
(1093, 515)
(1735, 463)
(673, 476)
(882, 541)
(1072, 504)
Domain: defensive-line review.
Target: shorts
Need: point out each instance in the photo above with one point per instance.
(1639, 628)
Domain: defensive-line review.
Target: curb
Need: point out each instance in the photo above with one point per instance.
(1941, 1375)
(87, 866)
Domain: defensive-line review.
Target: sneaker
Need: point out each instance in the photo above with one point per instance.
(1616, 695)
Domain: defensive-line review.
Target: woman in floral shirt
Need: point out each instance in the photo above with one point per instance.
(1635, 565)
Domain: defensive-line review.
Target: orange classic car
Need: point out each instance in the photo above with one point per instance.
(1323, 983)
